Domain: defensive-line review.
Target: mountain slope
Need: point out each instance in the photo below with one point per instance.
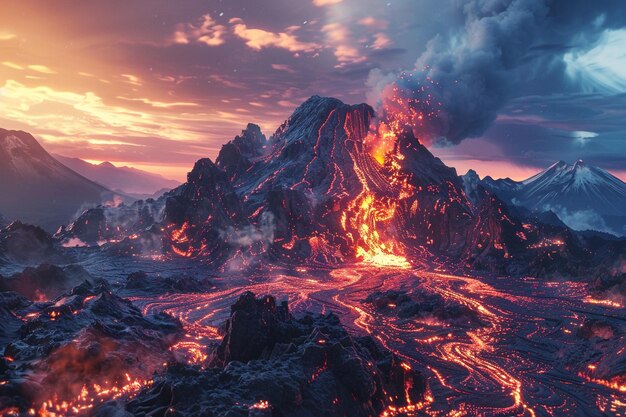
(583, 196)
(125, 179)
(36, 188)
(314, 194)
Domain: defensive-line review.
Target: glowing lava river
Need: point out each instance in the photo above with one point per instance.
(519, 352)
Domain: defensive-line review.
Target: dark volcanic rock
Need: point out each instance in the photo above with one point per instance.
(199, 212)
(237, 155)
(26, 244)
(423, 305)
(11, 304)
(45, 281)
(254, 327)
(143, 283)
(104, 224)
(289, 367)
(86, 338)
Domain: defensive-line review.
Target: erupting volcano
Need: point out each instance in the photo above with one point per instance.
(349, 218)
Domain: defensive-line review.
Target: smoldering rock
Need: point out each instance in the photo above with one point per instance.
(103, 224)
(86, 338)
(141, 282)
(272, 364)
(419, 304)
(45, 281)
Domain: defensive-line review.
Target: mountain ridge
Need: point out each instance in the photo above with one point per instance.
(583, 196)
(36, 188)
(125, 179)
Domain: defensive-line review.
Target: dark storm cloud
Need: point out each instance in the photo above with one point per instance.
(502, 49)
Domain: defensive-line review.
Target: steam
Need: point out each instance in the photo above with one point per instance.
(504, 49)
(249, 235)
(582, 219)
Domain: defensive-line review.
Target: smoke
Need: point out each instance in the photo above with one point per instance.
(581, 219)
(249, 235)
(503, 49)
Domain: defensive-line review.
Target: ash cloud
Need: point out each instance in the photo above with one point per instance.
(502, 49)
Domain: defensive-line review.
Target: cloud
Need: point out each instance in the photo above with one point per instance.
(6, 36)
(582, 219)
(206, 32)
(258, 39)
(322, 3)
(494, 51)
(13, 65)
(340, 39)
(602, 66)
(283, 67)
(70, 115)
(41, 69)
(159, 104)
(132, 79)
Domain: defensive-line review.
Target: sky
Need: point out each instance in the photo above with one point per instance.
(158, 84)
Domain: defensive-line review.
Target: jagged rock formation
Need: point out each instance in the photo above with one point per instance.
(140, 282)
(313, 193)
(103, 224)
(29, 245)
(422, 305)
(275, 365)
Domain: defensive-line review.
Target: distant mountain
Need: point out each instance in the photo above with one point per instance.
(36, 188)
(125, 179)
(584, 197)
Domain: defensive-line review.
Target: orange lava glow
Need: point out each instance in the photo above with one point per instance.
(370, 214)
(91, 396)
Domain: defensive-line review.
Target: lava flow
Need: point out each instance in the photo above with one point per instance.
(510, 362)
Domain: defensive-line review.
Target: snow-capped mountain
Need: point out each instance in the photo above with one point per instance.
(125, 179)
(584, 197)
(36, 188)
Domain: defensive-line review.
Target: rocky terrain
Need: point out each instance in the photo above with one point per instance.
(271, 364)
(69, 351)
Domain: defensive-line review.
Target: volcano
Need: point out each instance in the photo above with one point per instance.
(320, 192)
(583, 196)
(38, 189)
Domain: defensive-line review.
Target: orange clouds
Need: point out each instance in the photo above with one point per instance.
(42, 69)
(322, 3)
(6, 36)
(345, 51)
(258, 38)
(208, 32)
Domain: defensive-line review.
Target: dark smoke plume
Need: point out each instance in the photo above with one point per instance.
(505, 49)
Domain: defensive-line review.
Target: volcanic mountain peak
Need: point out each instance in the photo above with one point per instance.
(576, 178)
(315, 112)
(583, 196)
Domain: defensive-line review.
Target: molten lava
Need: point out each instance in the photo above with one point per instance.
(372, 215)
